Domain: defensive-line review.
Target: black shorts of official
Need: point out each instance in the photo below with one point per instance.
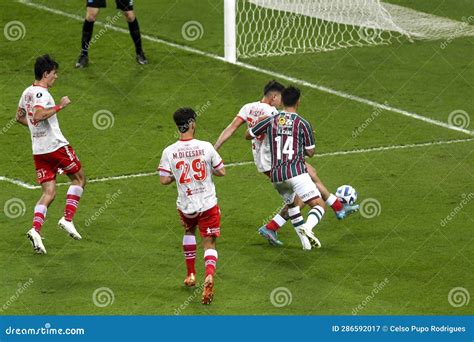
(124, 5)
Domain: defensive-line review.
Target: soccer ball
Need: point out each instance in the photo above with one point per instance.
(347, 194)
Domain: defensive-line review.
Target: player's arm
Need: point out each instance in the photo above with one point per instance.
(308, 136)
(309, 152)
(219, 173)
(228, 132)
(21, 116)
(164, 169)
(166, 180)
(40, 113)
(217, 164)
(166, 176)
(259, 128)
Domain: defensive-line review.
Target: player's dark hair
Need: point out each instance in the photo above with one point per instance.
(290, 96)
(183, 118)
(273, 86)
(44, 64)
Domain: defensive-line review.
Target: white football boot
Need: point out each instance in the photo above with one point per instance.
(69, 228)
(310, 236)
(36, 241)
(304, 240)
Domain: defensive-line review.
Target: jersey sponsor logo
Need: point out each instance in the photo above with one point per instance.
(308, 195)
(195, 191)
(210, 230)
(40, 173)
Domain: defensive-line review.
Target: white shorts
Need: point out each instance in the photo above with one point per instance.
(301, 186)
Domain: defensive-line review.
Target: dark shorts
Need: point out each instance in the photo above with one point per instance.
(124, 5)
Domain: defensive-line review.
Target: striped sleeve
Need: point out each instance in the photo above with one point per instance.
(261, 127)
(308, 135)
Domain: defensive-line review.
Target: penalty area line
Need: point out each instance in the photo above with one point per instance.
(261, 71)
(320, 155)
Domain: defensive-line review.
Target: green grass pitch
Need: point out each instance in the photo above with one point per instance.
(403, 261)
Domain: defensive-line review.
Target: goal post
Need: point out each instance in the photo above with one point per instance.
(261, 28)
(230, 34)
(255, 28)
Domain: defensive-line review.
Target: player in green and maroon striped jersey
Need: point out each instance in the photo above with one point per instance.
(291, 139)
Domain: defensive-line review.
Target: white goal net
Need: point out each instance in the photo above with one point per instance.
(280, 27)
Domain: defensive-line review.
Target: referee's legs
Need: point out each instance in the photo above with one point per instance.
(136, 36)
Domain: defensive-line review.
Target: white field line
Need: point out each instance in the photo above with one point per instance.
(262, 71)
(321, 155)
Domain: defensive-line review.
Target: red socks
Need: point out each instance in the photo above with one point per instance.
(189, 248)
(210, 261)
(276, 223)
(38, 219)
(334, 202)
(72, 201)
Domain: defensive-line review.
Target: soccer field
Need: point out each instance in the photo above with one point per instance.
(393, 121)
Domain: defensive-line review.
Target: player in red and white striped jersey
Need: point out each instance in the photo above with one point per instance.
(191, 163)
(51, 150)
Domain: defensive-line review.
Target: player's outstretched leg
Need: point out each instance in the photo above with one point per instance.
(269, 231)
(189, 249)
(341, 210)
(73, 197)
(87, 29)
(134, 29)
(210, 261)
